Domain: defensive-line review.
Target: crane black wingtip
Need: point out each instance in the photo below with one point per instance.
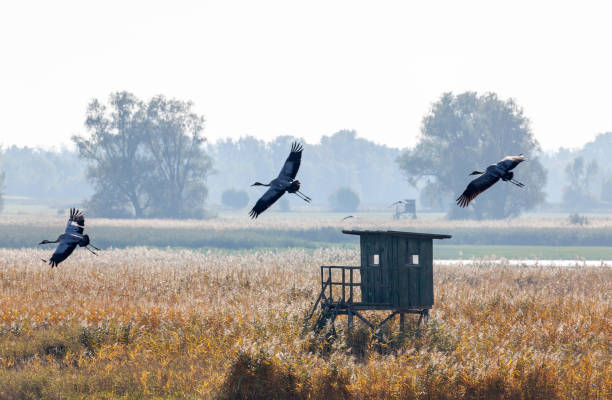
(296, 147)
(462, 201)
(75, 214)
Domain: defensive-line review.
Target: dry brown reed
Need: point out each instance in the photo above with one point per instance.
(183, 324)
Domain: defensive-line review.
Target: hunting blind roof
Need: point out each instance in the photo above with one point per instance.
(415, 235)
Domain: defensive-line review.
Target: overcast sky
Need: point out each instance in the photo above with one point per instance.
(308, 68)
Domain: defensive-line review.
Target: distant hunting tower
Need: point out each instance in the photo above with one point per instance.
(407, 206)
(396, 274)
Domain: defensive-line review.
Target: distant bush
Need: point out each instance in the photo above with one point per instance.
(235, 199)
(260, 376)
(577, 219)
(344, 199)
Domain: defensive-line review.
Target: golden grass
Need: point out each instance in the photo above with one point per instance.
(180, 324)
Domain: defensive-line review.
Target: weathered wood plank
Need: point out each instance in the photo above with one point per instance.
(427, 288)
(413, 273)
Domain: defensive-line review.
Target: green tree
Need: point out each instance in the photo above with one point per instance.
(606, 189)
(344, 199)
(119, 164)
(235, 199)
(468, 132)
(145, 159)
(174, 139)
(577, 195)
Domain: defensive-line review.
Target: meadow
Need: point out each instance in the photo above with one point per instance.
(528, 237)
(168, 323)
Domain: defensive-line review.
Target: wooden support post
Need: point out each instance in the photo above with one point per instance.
(351, 288)
(343, 286)
(368, 323)
(384, 321)
(321, 296)
(402, 323)
(350, 320)
(424, 317)
(331, 296)
(323, 282)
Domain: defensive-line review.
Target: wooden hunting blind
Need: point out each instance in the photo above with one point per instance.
(407, 206)
(396, 274)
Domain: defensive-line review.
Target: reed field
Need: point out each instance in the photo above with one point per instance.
(164, 323)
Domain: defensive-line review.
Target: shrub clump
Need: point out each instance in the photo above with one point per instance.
(259, 376)
(344, 199)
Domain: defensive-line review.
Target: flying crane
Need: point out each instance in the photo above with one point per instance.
(284, 182)
(68, 241)
(494, 172)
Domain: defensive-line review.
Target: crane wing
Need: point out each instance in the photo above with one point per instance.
(292, 164)
(476, 187)
(265, 201)
(508, 163)
(66, 246)
(76, 222)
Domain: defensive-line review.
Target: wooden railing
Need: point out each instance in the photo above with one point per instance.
(346, 282)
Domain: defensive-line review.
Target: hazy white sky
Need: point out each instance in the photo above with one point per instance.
(307, 68)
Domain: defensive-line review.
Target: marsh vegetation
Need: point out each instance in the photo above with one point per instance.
(138, 322)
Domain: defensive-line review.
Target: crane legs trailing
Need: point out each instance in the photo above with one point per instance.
(517, 183)
(303, 196)
(87, 247)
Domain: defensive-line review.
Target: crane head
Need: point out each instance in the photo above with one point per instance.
(85, 241)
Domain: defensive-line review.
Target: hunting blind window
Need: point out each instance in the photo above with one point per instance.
(413, 259)
(374, 260)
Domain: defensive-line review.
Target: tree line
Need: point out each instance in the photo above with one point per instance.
(581, 179)
(341, 160)
(151, 159)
